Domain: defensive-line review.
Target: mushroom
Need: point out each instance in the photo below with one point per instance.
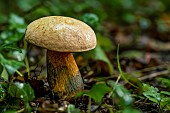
(61, 36)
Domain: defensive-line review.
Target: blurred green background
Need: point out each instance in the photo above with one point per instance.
(142, 15)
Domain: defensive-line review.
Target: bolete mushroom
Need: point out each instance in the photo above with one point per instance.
(61, 36)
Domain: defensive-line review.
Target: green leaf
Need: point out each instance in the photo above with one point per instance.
(3, 73)
(71, 109)
(91, 19)
(5, 34)
(17, 23)
(26, 5)
(15, 19)
(165, 82)
(130, 110)
(21, 90)
(28, 108)
(11, 111)
(14, 38)
(151, 93)
(17, 55)
(2, 93)
(165, 93)
(99, 54)
(98, 91)
(14, 91)
(105, 43)
(129, 18)
(11, 65)
(121, 92)
(1, 68)
(9, 47)
(29, 91)
(132, 54)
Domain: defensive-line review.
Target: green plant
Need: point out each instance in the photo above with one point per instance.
(99, 53)
(119, 94)
(159, 97)
(11, 55)
(165, 82)
(14, 94)
(71, 109)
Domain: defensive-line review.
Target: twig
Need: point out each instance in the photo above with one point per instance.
(89, 105)
(165, 72)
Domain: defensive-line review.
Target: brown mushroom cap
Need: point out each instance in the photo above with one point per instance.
(63, 34)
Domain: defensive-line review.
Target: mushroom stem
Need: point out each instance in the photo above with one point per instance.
(63, 74)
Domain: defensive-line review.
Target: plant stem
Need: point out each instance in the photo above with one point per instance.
(120, 69)
(89, 105)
